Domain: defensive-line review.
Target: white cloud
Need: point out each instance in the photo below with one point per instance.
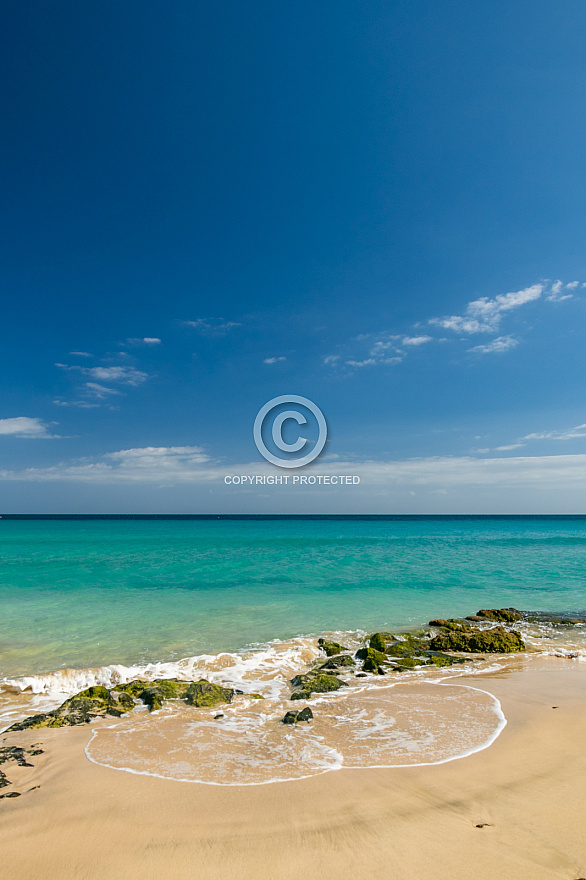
(23, 426)
(81, 354)
(150, 464)
(146, 340)
(123, 375)
(509, 447)
(500, 344)
(570, 434)
(274, 360)
(79, 404)
(557, 294)
(464, 484)
(484, 315)
(416, 340)
(101, 391)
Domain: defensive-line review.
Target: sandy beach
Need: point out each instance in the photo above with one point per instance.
(515, 809)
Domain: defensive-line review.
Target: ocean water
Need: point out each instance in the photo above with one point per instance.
(242, 604)
(90, 593)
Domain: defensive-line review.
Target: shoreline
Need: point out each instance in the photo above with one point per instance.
(514, 806)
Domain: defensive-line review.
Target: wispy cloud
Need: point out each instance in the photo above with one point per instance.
(146, 340)
(416, 340)
(569, 434)
(375, 349)
(99, 382)
(149, 464)
(557, 293)
(23, 426)
(500, 344)
(122, 375)
(484, 315)
(480, 316)
(211, 326)
(274, 360)
(81, 354)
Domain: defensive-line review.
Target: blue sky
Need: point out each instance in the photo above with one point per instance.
(377, 206)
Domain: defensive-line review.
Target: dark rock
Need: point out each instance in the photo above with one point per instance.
(18, 755)
(339, 660)
(476, 641)
(331, 648)
(317, 684)
(10, 794)
(294, 717)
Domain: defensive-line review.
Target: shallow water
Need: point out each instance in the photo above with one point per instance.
(371, 726)
(78, 594)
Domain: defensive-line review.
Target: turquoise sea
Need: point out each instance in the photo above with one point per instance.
(84, 593)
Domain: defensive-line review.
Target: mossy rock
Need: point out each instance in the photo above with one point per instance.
(500, 615)
(407, 648)
(452, 623)
(436, 658)
(336, 662)
(321, 683)
(331, 648)
(204, 693)
(373, 660)
(132, 688)
(378, 642)
(408, 663)
(476, 641)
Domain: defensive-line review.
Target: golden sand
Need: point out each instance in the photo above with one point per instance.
(513, 810)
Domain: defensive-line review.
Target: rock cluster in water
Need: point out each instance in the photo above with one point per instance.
(384, 652)
(99, 701)
(294, 717)
(486, 632)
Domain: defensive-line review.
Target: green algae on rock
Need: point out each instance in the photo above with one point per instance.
(373, 659)
(204, 693)
(331, 648)
(497, 615)
(319, 683)
(497, 640)
(98, 701)
(378, 642)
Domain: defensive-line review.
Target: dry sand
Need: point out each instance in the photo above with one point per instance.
(515, 810)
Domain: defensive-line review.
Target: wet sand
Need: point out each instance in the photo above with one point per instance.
(527, 792)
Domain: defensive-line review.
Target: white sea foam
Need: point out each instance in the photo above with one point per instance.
(364, 728)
